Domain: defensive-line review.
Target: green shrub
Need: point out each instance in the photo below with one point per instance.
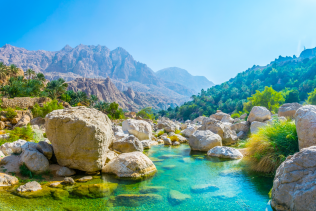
(10, 113)
(160, 133)
(25, 171)
(46, 109)
(177, 131)
(270, 146)
(25, 133)
(174, 138)
(235, 115)
(312, 97)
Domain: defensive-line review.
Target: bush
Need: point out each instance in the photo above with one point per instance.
(177, 131)
(25, 133)
(159, 133)
(270, 146)
(10, 113)
(312, 97)
(174, 138)
(25, 171)
(235, 115)
(47, 108)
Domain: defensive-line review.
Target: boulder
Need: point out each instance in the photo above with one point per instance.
(80, 137)
(29, 146)
(219, 115)
(204, 140)
(1, 155)
(241, 126)
(11, 163)
(2, 125)
(132, 165)
(13, 147)
(294, 182)
(243, 116)
(176, 143)
(139, 128)
(35, 161)
(120, 135)
(225, 152)
(305, 119)
(23, 121)
(30, 187)
(176, 197)
(227, 119)
(289, 109)
(271, 121)
(65, 172)
(199, 119)
(147, 144)
(254, 128)
(45, 148)
(259, 114)
(37, 121)
(189, 131)
(181, 138)
(128, 144)
(69, 181)
(167, 141)
(7, 180)
(183, 126)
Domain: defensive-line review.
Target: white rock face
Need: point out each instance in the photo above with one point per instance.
(294, 183)
(7, 180)
(305, 119)
(256, 125)
(289, 109)
(128, 144)
(227, 119)
(65, 172)
(204, 140)
(35, 161)
(80, 137)
(139, 128)
(259, 114)
(219, 115)
(225, 152)
(183, 126)
(167, 141)
(133, 164)
(189, 131)
(12, 148)
(30, 187)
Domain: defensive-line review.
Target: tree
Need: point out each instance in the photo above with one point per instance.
(93, 100)
(292, 97)
(14, 69)
(146, 113)
(312, 97)
(56, 88)
(30, 73)
(40, 77)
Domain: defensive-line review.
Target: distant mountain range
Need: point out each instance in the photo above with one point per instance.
(183, 77)
(89, 61)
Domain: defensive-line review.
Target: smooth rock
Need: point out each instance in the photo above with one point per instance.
(7, 180)
(188, 131)
(176, 143)
(225, 152)
(120, 135)
(65, 172)
(128, 144)
(85, 179)
(167, 141)
(69, 181)
(35, 161)
(227, 119)
(37, 121)
(30, 187)
(204, 140)
(176, 197)
(45, 148)
(147, 144)
(139, 128)
(203, 188)
(254, 128)
(289, 109)
(219, 115)
(12, 148)
(259, 114)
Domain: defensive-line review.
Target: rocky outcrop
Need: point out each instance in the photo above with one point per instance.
(259, 114)
(294, 183)
(23, 102)
(133, 165)
(139, 128)
(128, 144)
(204, 140)
(80, 137)
(13, 147)
(225, 152)
(289, 109)
(305, 119)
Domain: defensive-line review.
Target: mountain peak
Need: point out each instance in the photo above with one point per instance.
(67, 48)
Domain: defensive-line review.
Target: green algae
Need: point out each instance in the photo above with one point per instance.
(60, 194)
(95, 190)
(46, 191)
(152, 189)
(135, 200)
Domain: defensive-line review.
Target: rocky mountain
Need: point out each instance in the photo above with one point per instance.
(183, 77)
(105, 90)
(91, 61)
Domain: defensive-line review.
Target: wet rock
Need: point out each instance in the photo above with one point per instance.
(151, 189)
(139, 128)
(132, 165)
(7, 180)
(85, 179)
(204, 140)
(95, 190)
(259, 114)
(69, 181)
(169, 167)
(176, 197)
(170, 156)
(128, 144)
(45, 148)
(30, 187)
(135, 200)
(35, 161)
(65, 172)
(203, 188)
(60, 194)
(225, 152)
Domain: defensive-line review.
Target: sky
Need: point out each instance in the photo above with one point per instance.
(215, 39)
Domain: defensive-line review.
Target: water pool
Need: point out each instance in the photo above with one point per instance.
(181, 183)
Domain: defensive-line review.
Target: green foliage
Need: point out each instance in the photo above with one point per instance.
(235, 115)
(270, 146)
(25, 133)
(56, 88)
(146, 113)
(177, 131)
(25, 172)
(174, 138)
(160, 133)
(312, 97)
(10, 113)
(292, 96)
(111, 109)
(268, 98)
(47, 108)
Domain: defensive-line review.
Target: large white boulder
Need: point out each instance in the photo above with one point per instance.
(139, 128)
(35, 161)
(294, 183)
(204, 140)
(80, 137)
(219, 115)
(289, 109)
(13, 147)
(132, 164)
(128, 144)
(259, 114)
(225, 152)
(227, 119)
(188, 131)
(254, 128)
(305, 119)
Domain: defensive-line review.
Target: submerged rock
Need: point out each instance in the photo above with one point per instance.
(176, 197)
(169, 166)
(132, 165)
(135, 200)
(151, 189)
(203, 188)
(7, 180)
(225, 152)
(95, 190)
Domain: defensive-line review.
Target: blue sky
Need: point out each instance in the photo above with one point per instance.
(217, 39)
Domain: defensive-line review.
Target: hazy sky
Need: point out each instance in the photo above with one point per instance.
(217, 39)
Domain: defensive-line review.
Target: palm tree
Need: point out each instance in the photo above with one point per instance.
(40, 77)
(56, 88)
(93, 100)
(14, 69)
(30, 73)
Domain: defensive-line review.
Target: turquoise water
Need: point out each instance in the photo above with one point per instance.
(178, 169)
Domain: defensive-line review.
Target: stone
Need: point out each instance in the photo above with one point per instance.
(225, 152)
(305, 119)
(259, 114)
(135, 200)
(151, 189)
(11, 163)
(167, 141)
(169, 167)
(176, 143)
(176, 197)
(37, 121)
(160, 141)
(54, 184)
(280, 119)
(24, 121)
(128, 144)
(181, 138)
(117, 129)
(227, 119)
(189, 131)
(1, 155)
(132, 165)
(289, 109)
(203, 188)
(241, 126)
(23, 102)
(30, 187)
(183, 126)
(294, 182)
(147, 144)
(69, 181)
(7, 180)
(219, 115)
(110, 155)
(139, 128)
(199, 119)
(99, 190)
(254, 128)
(204, 140)
(241, 135)
(85, 179)
(243, 116)
(65, 172)
(31, 146)
(120, 135)
(2, 125)
(80, 137)
(45, 148)
(35, 161)
(12, 148)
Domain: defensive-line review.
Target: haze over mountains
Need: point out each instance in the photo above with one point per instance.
(91, 61)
